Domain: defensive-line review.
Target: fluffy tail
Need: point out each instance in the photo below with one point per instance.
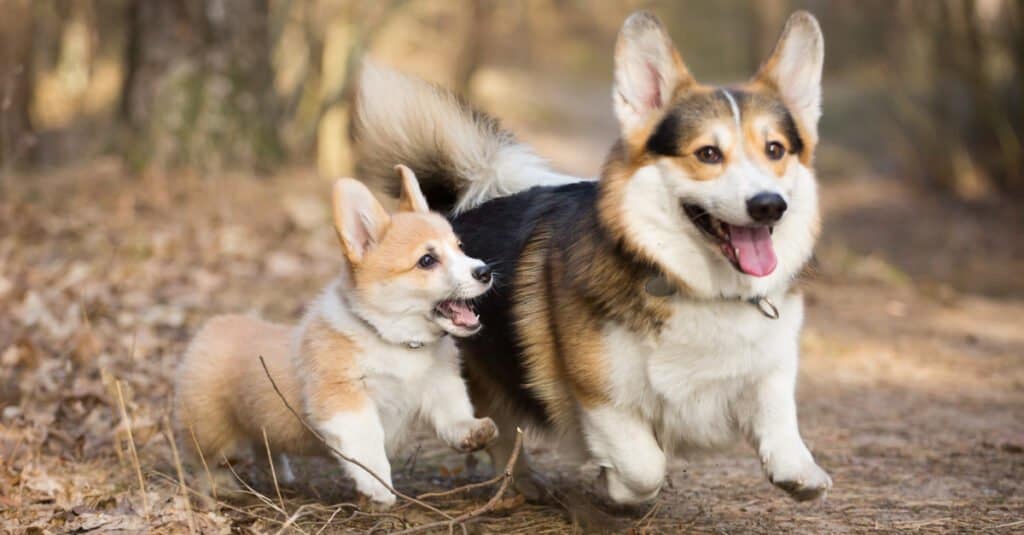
(461, 156)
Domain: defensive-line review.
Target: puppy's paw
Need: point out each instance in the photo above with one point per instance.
(377, 501)
(473, 435)
(803, 480)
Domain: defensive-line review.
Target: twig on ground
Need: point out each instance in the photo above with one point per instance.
(248, 489)
(169, 436)
(483, 509)
(224, 504)
(291, 519)
(273, 471)
(202, 459)
(464, 488)
(131, 448)
(342, 456)
(331, 518)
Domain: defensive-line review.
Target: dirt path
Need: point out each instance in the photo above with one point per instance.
(911, 392)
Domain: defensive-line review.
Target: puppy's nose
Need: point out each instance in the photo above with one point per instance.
(766, 207)
(482, 273)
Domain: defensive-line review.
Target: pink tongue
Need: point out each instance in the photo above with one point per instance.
(462, 315)
(754, 249)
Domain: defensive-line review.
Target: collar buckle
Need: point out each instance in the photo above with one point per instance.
(765, 306)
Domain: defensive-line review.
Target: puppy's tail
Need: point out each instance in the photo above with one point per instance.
(461, 156)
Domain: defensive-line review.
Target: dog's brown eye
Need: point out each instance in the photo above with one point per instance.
(775, 150)
(427, 261)
(709, 154)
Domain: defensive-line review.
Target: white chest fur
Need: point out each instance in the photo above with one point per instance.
(687, 379)
(396, 378)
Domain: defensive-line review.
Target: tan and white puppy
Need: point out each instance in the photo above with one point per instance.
(368, 361)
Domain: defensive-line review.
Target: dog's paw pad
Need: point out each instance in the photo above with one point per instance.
(811, 486)
(479, 434)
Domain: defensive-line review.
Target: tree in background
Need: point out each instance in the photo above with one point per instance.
(965, 126)
(199, 85)
(16, 136)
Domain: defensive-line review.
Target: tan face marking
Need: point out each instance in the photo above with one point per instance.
(410, 236)
(708, 130)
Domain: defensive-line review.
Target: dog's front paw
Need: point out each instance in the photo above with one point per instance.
(802, 479)
(474, 435)
(378, 500)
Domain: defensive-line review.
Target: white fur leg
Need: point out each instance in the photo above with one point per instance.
(623, 444)
(359, 435)
(772, 427)
(449, 410)
(283, 469)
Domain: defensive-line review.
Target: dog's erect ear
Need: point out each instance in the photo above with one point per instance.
(359, 219)
(794, 68)
(648, 70)
(411, 199)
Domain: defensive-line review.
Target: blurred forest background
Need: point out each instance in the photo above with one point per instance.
(932, 88)
(162, 161)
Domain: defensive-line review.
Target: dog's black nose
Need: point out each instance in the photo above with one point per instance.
(766, 207)
(482, 273)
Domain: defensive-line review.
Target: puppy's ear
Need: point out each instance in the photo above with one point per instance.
(794, 69)
(359, 219)
(411, 199)
(648, 71)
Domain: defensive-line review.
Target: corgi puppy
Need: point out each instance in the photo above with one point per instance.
(652, 312)
(370, 358)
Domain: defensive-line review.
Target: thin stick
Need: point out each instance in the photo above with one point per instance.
(342, 456)
(464, 488)
(224, 504)
(485, 508)
(132, 450)
(330, 519)
(273, 471)
(181, 477)
(253, 492)
(291, 520)
(202, 459)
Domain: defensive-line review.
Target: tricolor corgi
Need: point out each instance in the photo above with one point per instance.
(369, 359)
(651, 312)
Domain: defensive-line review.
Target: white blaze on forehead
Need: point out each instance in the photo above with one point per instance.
(733, 106)
(461, 266)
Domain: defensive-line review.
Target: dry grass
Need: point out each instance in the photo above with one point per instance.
(911, 395)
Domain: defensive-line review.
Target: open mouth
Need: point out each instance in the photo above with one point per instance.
(459, 312)
(748, 249)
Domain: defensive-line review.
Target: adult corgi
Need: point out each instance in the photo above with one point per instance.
(370, 358)
(651, 312)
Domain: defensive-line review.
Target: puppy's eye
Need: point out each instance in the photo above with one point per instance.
(427, 261)
(709, 154)
(774, 150)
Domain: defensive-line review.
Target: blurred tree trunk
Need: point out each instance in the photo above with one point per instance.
(199, 85)
(16, 133)
(473, 43)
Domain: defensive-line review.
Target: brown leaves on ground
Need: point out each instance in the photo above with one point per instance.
(911, 393)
